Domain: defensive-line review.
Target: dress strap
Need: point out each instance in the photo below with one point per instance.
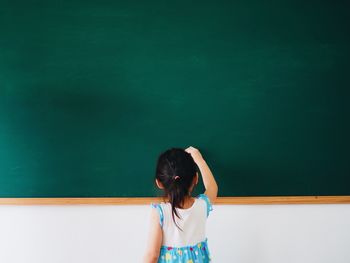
(207, 201)
(160, 212)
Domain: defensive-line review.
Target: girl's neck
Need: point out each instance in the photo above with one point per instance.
(188, 202)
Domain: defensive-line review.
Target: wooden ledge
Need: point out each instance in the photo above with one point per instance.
(266, 200)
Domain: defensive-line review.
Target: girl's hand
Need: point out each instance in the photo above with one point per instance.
(196, 155)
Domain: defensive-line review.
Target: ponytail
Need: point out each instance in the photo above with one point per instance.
(176, 198)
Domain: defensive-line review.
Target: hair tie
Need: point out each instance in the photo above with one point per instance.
(176, 177)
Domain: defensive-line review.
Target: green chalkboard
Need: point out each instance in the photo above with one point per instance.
(92, 91)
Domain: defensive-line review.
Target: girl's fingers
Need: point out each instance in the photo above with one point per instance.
(193, 151)
(190, 149)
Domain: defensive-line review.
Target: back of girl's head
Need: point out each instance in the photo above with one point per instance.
(176, 171)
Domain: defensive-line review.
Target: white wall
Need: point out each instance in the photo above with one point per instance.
(236, 233)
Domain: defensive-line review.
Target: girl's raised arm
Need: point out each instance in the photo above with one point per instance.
(211, 187)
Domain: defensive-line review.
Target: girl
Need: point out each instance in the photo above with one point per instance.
(177, 232)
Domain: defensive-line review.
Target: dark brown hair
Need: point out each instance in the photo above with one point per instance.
(176, 170)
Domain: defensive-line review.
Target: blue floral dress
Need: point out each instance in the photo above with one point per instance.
(195, 253)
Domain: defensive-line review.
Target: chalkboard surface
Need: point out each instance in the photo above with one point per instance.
(92, 91)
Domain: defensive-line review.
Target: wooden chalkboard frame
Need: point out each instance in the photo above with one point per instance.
(256, 200)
